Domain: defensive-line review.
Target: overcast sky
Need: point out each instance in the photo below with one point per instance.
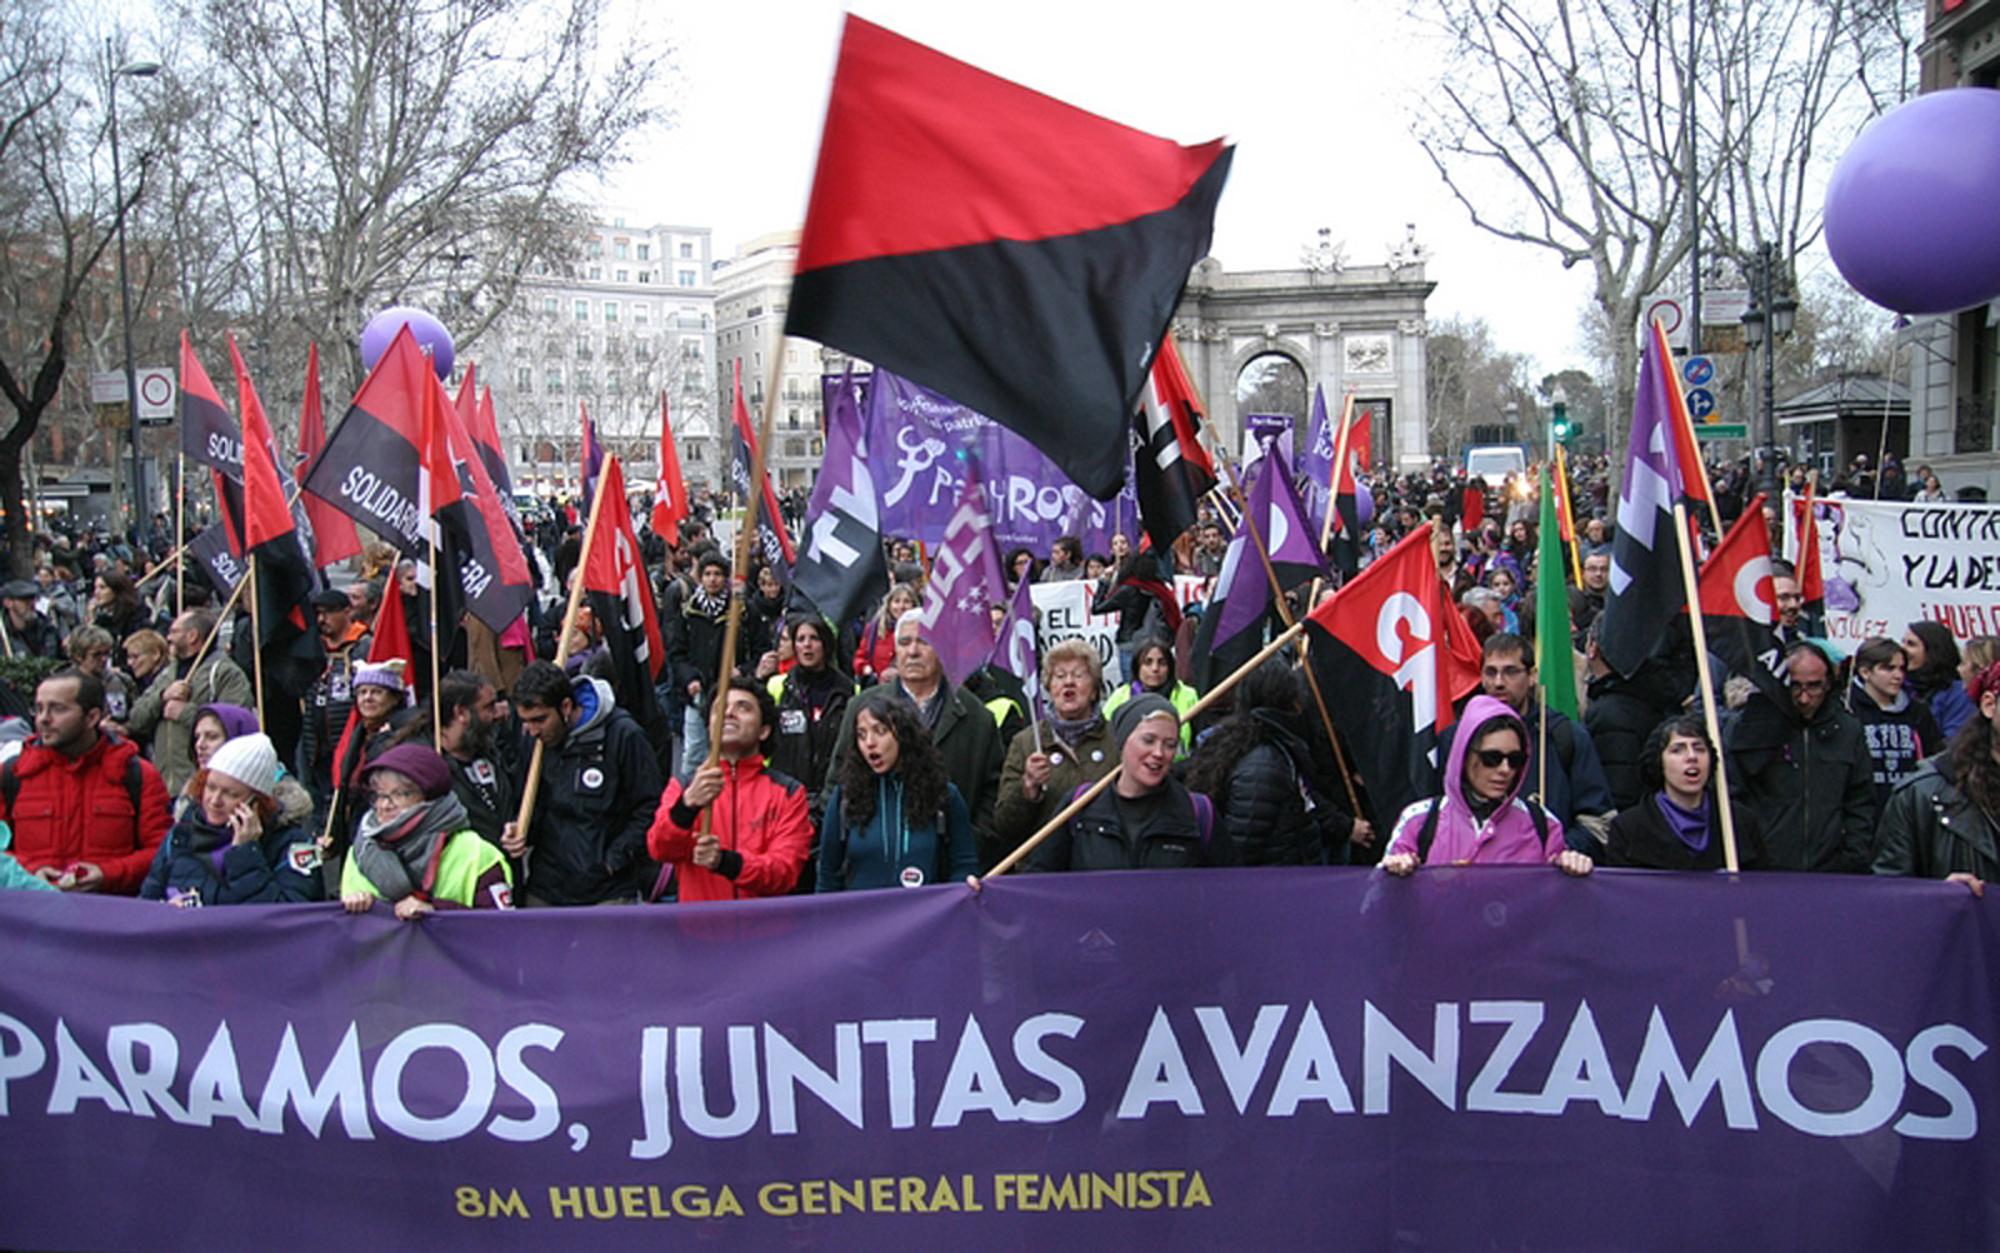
(1316, 96)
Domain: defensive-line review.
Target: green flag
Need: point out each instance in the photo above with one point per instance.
(1552, 649)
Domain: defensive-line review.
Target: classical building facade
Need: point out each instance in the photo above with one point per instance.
(752, 292)
(630, 320)
(1955, 359)
(1356, 329)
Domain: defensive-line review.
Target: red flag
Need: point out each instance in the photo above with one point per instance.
(334, 537)
(389, 642)
(1393, 645)
(1360, 438)
(1013, 252)
(467, 400)
(477, 487)
(1473, 511)
(437, 476)
(485, 431)
(772, 538)
(614, 567)
(265, 517)
(1694, 484)
(670, 506)
(1805, 525)
(1736, 578)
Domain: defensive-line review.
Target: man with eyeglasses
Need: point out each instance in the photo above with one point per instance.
(1575, 792)
(1803, 768)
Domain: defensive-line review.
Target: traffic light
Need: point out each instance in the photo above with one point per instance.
(1561, 427)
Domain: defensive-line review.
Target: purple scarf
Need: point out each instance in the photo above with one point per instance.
(1691, 825)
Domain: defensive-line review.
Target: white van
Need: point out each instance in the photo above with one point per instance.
(1494, 462)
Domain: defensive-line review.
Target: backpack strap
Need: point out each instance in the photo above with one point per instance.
(1204, 816)
(10, 785)
(1427, 833)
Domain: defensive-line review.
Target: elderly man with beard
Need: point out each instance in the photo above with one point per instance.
(483, 781)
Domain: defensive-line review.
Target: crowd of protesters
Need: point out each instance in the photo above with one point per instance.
(143, 761)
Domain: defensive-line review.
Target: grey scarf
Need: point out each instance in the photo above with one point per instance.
(395, 855)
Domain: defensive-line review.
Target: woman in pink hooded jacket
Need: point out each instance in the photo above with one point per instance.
(1481, 820)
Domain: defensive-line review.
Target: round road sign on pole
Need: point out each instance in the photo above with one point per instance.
(1700, 402)
(1698, 371)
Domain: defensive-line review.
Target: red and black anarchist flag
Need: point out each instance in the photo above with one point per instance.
(1172, 469)
(620, 596)
(373, 470)
(1013, 252)
(1393, 645)
(774, 542)
(334, 537)
(268, 536)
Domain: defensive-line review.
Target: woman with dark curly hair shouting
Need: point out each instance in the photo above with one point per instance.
(893, 818)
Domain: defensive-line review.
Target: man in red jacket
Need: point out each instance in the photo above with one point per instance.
(759, 834)
(88, 812)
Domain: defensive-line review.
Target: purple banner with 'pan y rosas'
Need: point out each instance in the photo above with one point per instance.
(1245, 1059)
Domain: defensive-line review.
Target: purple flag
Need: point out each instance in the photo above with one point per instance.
(842, 570)
(964, 583)
(1018, 650)
(592, 456)
(1316, 463)
(1272, 517)
(914, 437)
(1646, 588)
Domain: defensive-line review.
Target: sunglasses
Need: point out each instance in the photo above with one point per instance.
(1491, 758)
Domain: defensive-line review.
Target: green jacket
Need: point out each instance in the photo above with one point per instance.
(216, 679)
(471, 874)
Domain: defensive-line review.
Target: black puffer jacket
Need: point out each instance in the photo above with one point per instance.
(1810, 786)
(1932, 829)
(587, 840)
(810, 709)
(1620, 716)
(1162, 831)
(1271, 809)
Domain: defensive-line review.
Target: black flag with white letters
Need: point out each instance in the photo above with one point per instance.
(842, 572)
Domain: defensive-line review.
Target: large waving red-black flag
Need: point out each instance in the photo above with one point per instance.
(1013, 252)
(333, 534)
(1172, 469)
(372, 471)
(1391, 643)
(621, 599)
(284, 568)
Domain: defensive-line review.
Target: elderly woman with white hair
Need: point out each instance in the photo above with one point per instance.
(1146, 820)
(1071, 748)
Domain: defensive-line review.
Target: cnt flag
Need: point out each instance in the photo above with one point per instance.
(964, 584)
(1646, 585)
(333, 533)
(279, 553)
(1233, 620)
(1172, 469)
(621, 600)
(670, 503)
(1015, 253)
(1395, 647)
(371, 471)
(773, 541)
(842, 571)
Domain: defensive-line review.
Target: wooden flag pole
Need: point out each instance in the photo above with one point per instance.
(438, 636)
(534, 782)
(256, 637)
(739, 575)
(1709, 718)
(216, 630)
(6, 636)
(180, 534)
(1096, 789)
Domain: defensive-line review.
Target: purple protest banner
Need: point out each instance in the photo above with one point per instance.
(913, 438)
(1279, 1058)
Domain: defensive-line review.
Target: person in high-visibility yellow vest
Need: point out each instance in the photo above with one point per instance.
(1153, 670)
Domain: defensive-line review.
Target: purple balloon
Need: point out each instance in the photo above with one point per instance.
(1364, 503)
(1909, 212)
(428, 331)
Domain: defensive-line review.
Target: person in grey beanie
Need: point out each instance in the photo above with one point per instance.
(1146, 820)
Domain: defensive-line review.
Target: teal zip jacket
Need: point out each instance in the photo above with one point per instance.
(896, 848)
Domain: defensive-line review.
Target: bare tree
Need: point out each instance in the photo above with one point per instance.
(58, 216)
(381, 151)
(1469, 382)
(1567, 126)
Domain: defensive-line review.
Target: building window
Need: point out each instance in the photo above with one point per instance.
(583, 311)
(639, 314)
(695, 453)
(795, 447)
(596, 248)
(583, 380)
(624, 276)
(552, 380)
(687, 251)
(642, 349)
(645, 276)
(687, 278)
(610, 311)
(645, 252)
(596, 272)
(524, 379)
(550, 305)
(621, 250)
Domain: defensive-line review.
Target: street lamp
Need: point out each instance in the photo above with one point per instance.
(131, 69)
(1769, 319)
